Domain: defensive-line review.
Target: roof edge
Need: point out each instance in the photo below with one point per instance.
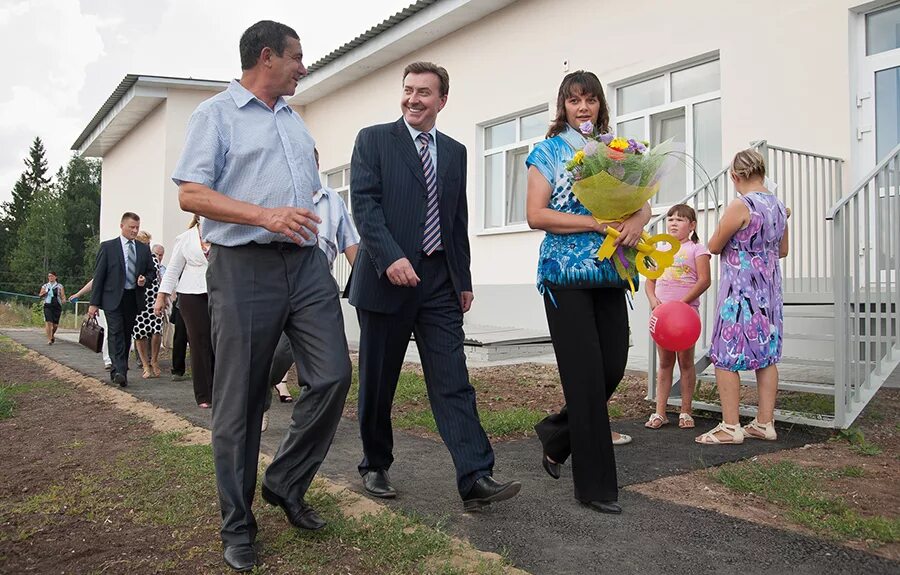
(127, 83)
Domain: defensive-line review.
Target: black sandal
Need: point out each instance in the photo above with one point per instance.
(285, 398)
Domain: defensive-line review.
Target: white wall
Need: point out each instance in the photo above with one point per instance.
(180, 104)
(785, 78)
(132, 176)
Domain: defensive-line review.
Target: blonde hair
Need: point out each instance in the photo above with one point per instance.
(143, 237)
(748, 164)
(195, 221)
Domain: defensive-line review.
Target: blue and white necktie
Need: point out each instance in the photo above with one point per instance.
(431, 240)
(130, 266)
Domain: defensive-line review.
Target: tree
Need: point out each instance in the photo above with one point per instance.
(36, 165)
(80, 192)
(33, 180)
(16, 211)
(41, 245)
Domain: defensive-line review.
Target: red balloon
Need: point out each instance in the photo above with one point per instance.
(675, 326)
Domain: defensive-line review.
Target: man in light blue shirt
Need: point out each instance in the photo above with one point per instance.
(248, 169)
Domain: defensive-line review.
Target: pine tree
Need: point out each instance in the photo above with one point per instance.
(36, 165)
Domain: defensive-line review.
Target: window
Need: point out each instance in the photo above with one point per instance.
(883, 30)
(339, 181)
(682, 103)
(507, 144)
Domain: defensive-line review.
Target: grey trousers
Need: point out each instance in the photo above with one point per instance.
(256, 292)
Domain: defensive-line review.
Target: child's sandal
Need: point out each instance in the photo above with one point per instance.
(685, 421)
(757, 430)
(735, 435)
(656, 421)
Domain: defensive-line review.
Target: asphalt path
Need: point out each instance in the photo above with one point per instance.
(544, 530)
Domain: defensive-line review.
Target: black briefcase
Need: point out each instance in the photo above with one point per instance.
(91, 335)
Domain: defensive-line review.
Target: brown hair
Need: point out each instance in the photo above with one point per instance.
(430, 68)
(685, 211)
(576, 83)
(748, 164)
(195, 221)
(130, 216)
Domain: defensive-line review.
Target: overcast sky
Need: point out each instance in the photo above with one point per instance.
(63, 58)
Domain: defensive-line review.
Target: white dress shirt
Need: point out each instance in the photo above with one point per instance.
(186, 272)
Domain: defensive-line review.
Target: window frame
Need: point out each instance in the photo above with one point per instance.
(344, 190)
(482, 188)
(669, 106)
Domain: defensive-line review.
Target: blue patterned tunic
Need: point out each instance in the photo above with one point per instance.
(568, 260)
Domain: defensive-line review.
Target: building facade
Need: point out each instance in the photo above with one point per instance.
(821, 77)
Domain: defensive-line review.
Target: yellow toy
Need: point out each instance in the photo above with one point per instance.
(649, 261)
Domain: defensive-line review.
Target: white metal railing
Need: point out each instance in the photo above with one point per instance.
(866, 260)
(341, 271)
(807, 183)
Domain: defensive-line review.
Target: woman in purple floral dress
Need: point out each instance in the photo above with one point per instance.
(751, 238)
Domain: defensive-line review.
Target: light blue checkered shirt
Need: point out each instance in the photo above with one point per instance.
(239, 147)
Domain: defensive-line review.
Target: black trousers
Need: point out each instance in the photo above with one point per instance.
(194, 310)
(436, 319)
(256, 292)
(120, 322)
(589, 329)
(179, 342)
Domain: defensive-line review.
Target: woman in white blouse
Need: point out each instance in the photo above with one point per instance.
(186, 276)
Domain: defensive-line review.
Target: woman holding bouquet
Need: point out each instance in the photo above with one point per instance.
(584, 297)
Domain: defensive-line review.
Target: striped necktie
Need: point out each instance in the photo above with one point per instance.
(431, 240)
(130, 265)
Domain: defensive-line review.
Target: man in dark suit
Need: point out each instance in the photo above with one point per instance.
(408, 188)
(124, 266)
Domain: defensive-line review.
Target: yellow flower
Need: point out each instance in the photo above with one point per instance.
(579, 157)
(620, 144)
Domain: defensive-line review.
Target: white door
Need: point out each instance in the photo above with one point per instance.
(878, 128)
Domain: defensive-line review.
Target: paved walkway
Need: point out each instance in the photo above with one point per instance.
(544, 530)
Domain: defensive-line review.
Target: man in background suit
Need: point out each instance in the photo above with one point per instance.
(408, 188)
(123, 267)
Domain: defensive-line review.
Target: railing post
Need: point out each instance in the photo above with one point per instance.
(840, 320)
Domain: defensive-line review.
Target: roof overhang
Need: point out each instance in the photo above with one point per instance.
(419, 25)
(134, 98)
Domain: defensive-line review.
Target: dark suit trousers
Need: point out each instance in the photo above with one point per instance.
(179, 342)
(194, 310)
(256, 293)
(120, 322)
(589, 329)
(436, 319)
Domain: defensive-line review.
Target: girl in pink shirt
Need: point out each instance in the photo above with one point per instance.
(685, 280)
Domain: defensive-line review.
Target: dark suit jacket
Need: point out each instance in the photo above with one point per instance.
(109, 274)
(389, 195)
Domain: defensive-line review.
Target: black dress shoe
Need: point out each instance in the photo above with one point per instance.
(487, 490)
(241, 557)
(299, 514)
(120, 379)
(378, 484)
(551, 468)
(604, 506)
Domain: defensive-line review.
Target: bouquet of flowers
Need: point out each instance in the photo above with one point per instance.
(614, 178)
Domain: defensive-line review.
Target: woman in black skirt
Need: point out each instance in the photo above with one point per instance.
(54, 296)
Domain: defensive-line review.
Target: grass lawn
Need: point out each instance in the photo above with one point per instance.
(106, 493)
(802, 495)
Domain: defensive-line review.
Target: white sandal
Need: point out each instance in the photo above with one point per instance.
(734, 432)
(766, 431)
(685, 421)
(656, 421)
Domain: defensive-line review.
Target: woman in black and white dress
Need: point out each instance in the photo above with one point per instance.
(147, 325)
